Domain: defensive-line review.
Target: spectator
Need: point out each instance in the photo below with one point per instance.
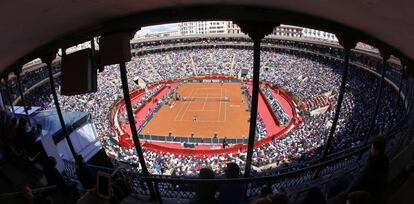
(92, 197)
(296, 73)
(53, 175)
(231, 192)
(84, 173)
(314, 196)
(66, 192)
(360, 197)
(270, 198)
(35, 199)
(205, 193)
(261, 201)
(280, 198)
(374, 177)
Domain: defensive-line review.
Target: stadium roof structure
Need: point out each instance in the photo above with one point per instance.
(29, 27)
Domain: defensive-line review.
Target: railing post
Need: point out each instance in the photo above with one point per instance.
(385, 56)
(48, 58)
(347, 44)
(2, 106)
(411, 99)
(407, 93)
(157, 192)
(256, 31)
(400, 87)
(131, 120)
(8, 93)
(19, 86)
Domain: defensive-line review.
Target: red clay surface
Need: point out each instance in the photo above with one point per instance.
(143, 113)
(210, 116)
(213, 115)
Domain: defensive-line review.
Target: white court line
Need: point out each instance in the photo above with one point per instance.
(182, 108)
(198, 120)
(203, 121)
(205, 101)
(199, 110)
(209, 88)
(225, 105)
(179, 112)
(188, 105)
(221, 94)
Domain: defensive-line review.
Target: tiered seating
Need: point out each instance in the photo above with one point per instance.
(282, 117)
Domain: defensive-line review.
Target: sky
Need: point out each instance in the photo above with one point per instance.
(158, 28)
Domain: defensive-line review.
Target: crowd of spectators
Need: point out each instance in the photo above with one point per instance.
(16, 146)
(277, 108)
(303, 76)
(145, 98)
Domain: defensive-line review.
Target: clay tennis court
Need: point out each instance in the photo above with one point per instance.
(204, 113)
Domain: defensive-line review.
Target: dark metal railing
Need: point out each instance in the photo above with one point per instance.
(294, 182)
(348, 45)
(41, 190)
(182, 187)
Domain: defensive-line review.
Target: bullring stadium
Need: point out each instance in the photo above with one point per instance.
(301, 112)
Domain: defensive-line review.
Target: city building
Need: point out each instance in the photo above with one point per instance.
(288, 31)
(317, 34)
(208, 27)
(161, 34)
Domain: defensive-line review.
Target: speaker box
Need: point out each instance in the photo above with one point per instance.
(114, 48)
(78, 76)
